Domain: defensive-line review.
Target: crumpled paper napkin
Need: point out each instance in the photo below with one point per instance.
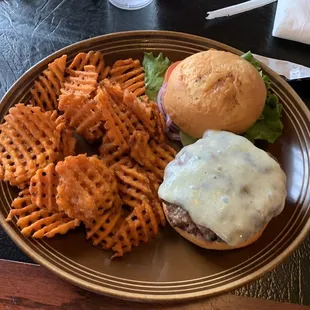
(292, 20)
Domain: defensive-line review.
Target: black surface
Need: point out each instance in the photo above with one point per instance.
(32, 29)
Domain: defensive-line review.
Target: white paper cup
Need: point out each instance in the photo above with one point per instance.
(130, 4)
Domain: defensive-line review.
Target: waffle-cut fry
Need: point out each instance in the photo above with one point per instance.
(158, 211)
(142, 152)
(154, 183)
(160, 124)
(133, 183)
(148, 114)
(24, 185)
(103, 229)
(114, 195)
(113, 157)
(29, 140)
(116, 128)
(164, 154)
(38, 223)
(86, 187)
(44, 224)
(81, 83)
(142, 111)
(43, 188)
(62, 226)
(130, 74)
(114, 89)
(112, 96)
(139, 227)
(46, 88)
(82, 114)
(154, 157)
(126, 115)
(140, 114)
(67, 141)
(135, 186)
(22, 205)
(91, 58)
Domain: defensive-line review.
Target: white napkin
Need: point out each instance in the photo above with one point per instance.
(292, 20)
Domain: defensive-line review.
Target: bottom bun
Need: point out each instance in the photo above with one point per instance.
(212, 245)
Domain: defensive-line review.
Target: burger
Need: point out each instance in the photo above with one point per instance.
(221, 192)
(212, 90)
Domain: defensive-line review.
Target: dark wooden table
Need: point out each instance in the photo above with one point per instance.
(32, 29)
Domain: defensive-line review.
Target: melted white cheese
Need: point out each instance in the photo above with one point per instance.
(227, 184)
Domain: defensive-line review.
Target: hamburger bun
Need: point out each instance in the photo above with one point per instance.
(214, 90)
(211, 245)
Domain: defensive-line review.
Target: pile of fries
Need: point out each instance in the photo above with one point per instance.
(114, 193)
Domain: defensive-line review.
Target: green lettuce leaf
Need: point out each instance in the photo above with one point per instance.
(250, 58)
(155, 69)
(186, 139)
(268, 126)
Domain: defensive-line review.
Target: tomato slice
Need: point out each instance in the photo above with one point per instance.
(170, 69)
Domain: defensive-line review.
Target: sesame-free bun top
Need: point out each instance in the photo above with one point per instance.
(214, 90)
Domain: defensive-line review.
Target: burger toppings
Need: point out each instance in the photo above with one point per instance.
(266, 125)
(173, 131)
(155, 69)
(225, 184)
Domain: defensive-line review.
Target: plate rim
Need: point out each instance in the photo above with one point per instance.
(17, 238)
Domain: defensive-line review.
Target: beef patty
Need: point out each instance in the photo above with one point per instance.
(180, 218)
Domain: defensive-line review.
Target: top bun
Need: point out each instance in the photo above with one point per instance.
(214, 90)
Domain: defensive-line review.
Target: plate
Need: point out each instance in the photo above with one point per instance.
(170, 268)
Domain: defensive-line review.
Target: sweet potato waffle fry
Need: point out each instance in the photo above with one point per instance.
(114, 89)
(103, 229)
(116, 125)
(113, 156)
(91, 58)
(139, 114)
(141, 152)
(154, 157)
(133, 185)
(86, 187)
(138, 193)
(164, 153)
(67, 141)
(125, 114)
(83, 115)
(46, 88)
(139, 227)
(38, 223)
(81, 83)
(142, 111)
(29, 140)
(148, 114)
(129, 74)
(114, 195)
(160, 124)
(43, 188)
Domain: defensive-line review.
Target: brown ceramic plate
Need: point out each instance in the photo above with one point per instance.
(170, 268)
